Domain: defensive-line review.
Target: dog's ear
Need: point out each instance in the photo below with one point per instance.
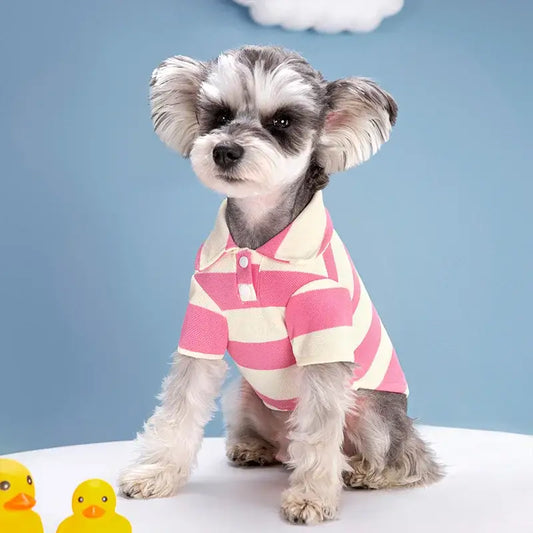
(359, 118)
(173, 92)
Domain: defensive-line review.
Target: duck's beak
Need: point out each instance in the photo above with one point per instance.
(93, 512)
(21, 502)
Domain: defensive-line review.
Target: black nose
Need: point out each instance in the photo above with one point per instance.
(226, 155)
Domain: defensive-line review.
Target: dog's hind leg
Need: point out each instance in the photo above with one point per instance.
(252, 429)
(383, 447)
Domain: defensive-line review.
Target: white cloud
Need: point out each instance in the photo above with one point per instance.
(328, 16)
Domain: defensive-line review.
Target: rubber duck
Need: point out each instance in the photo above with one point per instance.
(93, 504)
(17, 499)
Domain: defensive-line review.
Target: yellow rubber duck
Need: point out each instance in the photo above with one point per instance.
(93, 505)
(17, 498)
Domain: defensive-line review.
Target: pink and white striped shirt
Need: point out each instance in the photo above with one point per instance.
(297, 300)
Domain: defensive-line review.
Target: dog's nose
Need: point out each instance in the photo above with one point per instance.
(226, 154)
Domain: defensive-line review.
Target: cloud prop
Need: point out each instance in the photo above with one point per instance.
(328, 16)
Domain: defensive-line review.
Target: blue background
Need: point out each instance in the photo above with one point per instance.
(100, 222)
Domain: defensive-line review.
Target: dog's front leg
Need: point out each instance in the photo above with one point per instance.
(172, 436)
(315, 449)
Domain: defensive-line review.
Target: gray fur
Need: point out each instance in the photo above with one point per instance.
(294, 129)
(383, 446)
(292, 202)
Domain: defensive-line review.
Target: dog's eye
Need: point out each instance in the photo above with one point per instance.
(280, 122)
(223, 117)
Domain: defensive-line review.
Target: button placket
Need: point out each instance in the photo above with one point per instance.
(244, 276)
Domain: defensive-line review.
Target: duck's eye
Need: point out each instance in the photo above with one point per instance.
(104, 499)
(80, 499)
(5, 485)
(280, 122)
(29, 480)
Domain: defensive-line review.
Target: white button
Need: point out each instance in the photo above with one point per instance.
(244, 291)
(243, 261)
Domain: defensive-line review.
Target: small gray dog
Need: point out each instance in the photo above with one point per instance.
(275, 287)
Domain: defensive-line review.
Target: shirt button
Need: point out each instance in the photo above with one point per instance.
(244, 292)
(243, 261)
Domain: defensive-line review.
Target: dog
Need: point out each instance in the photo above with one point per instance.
(322, 390)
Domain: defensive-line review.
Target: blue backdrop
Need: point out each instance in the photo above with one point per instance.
(100, 222)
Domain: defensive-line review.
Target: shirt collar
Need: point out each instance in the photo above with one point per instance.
(305, 238)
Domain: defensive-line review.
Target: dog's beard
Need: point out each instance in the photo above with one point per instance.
(263, 168)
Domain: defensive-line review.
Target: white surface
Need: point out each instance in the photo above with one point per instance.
(488, 488)
(329, 16)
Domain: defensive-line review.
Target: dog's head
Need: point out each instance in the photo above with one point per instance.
(253, 119)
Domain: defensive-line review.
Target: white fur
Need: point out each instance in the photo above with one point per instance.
(357, 126)
(313, 439)
(316, 440)
(262, 170)
(171, 438)
(260, 90)
(174, 86)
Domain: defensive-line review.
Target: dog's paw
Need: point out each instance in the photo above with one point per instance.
(152, 480)
(251, 453)
(300, 508)
(359, 475)
(364, 476)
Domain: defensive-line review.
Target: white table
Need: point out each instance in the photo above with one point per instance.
(489, 487)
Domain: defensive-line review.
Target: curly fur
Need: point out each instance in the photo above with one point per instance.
(335, 436)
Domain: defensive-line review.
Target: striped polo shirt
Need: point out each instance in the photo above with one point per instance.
(295, 301)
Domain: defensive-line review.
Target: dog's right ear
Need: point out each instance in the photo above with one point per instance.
(173, 92)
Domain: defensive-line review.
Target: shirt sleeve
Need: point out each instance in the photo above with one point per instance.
(319, 320)
(204, 333)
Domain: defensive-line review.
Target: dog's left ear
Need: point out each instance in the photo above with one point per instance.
(173, 93)
(359, 119)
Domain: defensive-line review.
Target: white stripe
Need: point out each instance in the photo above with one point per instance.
(343, 263)
(362, 318)
(199, 355)
(379, 366)
(197, 296)
(280, 384)
(306, 232)
(256, 324)
(216, 242)
(324, 346)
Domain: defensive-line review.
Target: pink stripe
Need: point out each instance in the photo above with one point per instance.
(271, 355)
(222, 288)
(329, 261)
(273, 288)
(276, 286)
(394, 380)
(328, 232)
(317, 310)
(204, 331)
(244, 275)
(283, 405)
(366, 351)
